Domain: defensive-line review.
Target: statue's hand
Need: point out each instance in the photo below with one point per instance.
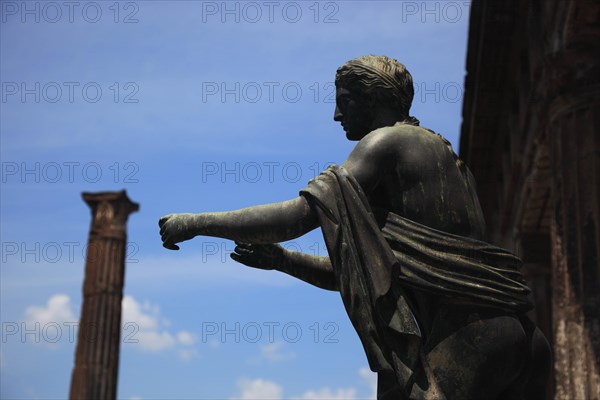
(175, 228)
(263, 256)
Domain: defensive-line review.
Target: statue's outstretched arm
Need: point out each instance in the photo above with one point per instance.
(372, 158)
(269, 223)
(311, 269)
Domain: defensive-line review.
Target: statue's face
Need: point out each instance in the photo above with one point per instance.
(352, 111)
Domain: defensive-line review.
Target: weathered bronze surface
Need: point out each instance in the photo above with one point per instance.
(440, 312)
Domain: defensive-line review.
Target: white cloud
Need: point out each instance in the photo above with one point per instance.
(328, 394)
(258, 389)
(132, 312)
(187, 338)
(155, 341)
(142, 324)
(370, 379)
(187, 354)
(51, 323)
(148, 335)
(273, 352)
(58, 310)
(151, 333)
(263, 389)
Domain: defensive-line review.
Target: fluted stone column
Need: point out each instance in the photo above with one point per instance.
(571, 86)
(575, 234)
(97, 356)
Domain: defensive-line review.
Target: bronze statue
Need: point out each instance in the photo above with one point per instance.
(440, 312)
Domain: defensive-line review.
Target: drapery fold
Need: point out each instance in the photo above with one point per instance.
(377, 254)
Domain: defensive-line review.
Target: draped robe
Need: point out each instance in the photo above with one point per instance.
(377, 256)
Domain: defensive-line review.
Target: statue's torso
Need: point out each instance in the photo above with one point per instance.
(427, 186)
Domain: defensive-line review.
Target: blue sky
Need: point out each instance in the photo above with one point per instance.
(190, 106)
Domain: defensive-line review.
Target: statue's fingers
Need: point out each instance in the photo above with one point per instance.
(166, 238)
(247, 251)
(246, 260)
(239, 258)
(170, 246)
(243, 250)
(164, 219)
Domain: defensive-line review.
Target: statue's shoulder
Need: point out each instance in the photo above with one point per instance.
(399, 136)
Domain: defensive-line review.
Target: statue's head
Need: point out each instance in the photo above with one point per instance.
(369, 86)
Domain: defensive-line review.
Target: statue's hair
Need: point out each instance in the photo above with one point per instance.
(383, 77)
